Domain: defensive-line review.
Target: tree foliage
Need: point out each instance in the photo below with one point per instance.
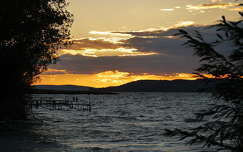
(30, 33)
(224, 130)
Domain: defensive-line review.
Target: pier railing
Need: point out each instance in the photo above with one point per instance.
(65, 103)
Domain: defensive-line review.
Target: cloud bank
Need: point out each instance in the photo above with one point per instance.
(156, 51)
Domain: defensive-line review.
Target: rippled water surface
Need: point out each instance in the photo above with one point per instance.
(127, 122)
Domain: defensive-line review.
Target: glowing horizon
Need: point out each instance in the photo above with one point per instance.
(123, 41)
(105, 79)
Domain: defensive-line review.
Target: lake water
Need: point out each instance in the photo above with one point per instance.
(126, 122)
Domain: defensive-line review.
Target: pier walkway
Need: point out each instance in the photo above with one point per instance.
(53, 103)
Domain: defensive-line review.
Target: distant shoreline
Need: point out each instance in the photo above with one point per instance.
(199, 85)
(46, 91)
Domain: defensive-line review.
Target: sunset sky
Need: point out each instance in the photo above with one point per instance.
(119, 41)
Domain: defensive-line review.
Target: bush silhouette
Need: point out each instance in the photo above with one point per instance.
(224, 131)
(30, 33)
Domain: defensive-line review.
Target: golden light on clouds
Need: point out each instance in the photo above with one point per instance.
(159, 29)
(215, 4)
(238, 9)
(170, 9)
(212, 6)
(106, 52)
(113, 37)
(106, 78)
(167, 9)
(184, 24)
(121, 29)
(109, 33)
(179, 24)
(50, 70)
(115, 40)
(120, 37)
(112, 43)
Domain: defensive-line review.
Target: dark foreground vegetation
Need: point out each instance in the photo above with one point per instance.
(224, 131)
(31, 31)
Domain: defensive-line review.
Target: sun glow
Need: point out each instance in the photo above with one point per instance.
(106, 78)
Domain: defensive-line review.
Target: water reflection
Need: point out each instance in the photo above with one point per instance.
(127, 122)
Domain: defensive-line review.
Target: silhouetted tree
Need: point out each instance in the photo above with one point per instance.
(30, 33)
(225, 128)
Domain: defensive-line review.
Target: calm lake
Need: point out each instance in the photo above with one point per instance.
(126, 122)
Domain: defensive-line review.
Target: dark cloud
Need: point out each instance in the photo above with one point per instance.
(163, 45)
(172, 58)
(156, 64)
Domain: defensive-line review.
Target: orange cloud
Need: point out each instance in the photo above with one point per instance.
(55, 71)
(106, 79)
(212, 6)
(238, 9)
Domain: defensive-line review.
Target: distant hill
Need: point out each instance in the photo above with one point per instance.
(62, 87)
(136, 86)
(164, 86)
(65, 89)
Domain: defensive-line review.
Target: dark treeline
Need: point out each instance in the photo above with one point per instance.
(30, 33)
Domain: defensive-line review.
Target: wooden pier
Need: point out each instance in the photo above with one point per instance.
(66, 103)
